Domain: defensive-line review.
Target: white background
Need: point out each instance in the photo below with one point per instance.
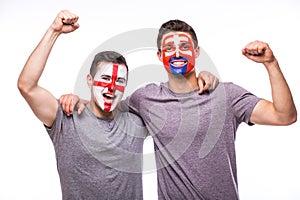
(267, 157)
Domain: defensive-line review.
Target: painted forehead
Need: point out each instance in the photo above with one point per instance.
(111, 69)
(176, 38)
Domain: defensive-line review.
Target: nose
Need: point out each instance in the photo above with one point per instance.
(112, 86)
(177, 53)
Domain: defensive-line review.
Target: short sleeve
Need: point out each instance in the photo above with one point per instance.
(57, 125)
(242, 102)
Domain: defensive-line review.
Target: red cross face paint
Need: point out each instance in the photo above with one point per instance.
(108, 86)
(178, 53)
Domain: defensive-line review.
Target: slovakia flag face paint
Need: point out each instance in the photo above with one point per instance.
(109, 84)
(178, 53)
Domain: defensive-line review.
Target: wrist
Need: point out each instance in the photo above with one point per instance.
(52, 34)
(271, 64)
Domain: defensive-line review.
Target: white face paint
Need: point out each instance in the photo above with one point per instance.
(178, 53)
(109, 84)
(177, 44)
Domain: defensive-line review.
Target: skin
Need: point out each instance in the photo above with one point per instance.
(282, 110)
(42, 102)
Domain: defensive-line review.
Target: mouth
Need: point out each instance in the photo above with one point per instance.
(109, 96)
(178, 62)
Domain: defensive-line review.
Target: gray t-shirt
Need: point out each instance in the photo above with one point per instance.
(96, 158)
(194, 138)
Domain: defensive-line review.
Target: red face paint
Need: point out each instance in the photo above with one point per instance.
(112, 85)
(109, 85)
(178, 53)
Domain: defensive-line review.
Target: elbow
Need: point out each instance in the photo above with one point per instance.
(23, 86)
(291, 119)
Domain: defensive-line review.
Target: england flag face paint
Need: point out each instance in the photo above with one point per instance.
(178, 53)
(109, 84)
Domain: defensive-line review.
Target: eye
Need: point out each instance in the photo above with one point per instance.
(105, 78)
(121, 80)
(169, 48)
(185, 46)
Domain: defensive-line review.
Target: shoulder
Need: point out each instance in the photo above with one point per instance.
(231, 88)
(131, 117)
(132, 124)
(232, 92)
(149, 87)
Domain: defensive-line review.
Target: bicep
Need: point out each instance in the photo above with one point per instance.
(43, 104)
(264, 113)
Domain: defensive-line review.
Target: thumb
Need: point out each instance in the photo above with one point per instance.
(80, 107)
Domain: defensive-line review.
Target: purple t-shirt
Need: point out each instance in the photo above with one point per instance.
(194, 138)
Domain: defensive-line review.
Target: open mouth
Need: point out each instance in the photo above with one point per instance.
(109, 96)
(178, 62)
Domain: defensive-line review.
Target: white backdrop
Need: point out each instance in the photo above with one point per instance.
(267, 157)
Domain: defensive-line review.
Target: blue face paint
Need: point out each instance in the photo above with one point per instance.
(178, 70)
(178, 53)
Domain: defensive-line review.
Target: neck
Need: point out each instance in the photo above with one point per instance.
(183, 83)
(99, 112)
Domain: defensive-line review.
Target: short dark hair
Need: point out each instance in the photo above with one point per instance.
(107, 56)
(176, 25)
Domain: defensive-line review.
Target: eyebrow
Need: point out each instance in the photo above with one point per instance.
(109, 76)
(181, 42)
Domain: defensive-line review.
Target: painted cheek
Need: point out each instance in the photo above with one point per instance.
(166, 62)
(97, 91)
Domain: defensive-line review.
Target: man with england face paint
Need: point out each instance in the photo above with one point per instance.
(99, 153)
(109, 84)
(194, 135)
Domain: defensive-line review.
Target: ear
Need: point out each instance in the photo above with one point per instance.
(159, 55)
(89, 80)
(197, 52)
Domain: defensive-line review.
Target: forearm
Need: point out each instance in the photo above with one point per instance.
(281, 95)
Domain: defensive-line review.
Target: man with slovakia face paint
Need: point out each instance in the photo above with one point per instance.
(194, 134)
(178, 54)
(99, 153)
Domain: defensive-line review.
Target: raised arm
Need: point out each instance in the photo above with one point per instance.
(282, 110)
(42, 102)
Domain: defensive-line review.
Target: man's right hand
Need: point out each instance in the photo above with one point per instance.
(65, 22)
(69, 101)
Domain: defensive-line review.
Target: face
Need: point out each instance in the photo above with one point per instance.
(178, 54)
(109, 85)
